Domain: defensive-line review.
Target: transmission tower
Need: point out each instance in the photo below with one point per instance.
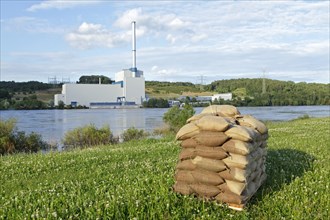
(264, 82)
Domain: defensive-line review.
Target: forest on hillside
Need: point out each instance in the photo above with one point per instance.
(249, 92)
(246, 92)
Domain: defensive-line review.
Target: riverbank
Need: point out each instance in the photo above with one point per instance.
(52, 125)
(134, 180)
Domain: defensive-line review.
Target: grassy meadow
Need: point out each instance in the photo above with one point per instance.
(133, 180)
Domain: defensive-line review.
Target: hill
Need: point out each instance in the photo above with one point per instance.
(135, 179)
(246, 92)
(277, 92)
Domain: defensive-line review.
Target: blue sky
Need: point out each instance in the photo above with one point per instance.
(176, 40)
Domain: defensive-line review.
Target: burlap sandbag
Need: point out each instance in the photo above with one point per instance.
(183, 188)
(239, 147)
(198, 177)
(263, 151)
(205, 190)
(211, 138)
(232, 164)
(263, 144)
(250, 121)
(209, 164)
(229, 197)
(251, 188)
(211, 152)
(184, 176)
(264, 137)
(236, 174)
(187, 131)
(189, 143)
(222, 110)
(187, 153)
(241, 161)
(207, 152)
(198, 116)
(186, 165)
(241, 133)
(236, 187)
(207, 177)
(212, 123)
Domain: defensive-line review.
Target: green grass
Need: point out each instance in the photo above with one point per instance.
(133, 181)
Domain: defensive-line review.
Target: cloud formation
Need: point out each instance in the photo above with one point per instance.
(60, 4)
(180, 41)
(89, 35)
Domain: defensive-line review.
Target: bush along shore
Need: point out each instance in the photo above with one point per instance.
(134, 180)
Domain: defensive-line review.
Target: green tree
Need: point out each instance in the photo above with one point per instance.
(176, 117)
(94, 79)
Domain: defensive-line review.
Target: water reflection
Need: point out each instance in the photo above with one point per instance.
(53, 124)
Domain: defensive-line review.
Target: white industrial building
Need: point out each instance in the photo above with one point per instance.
(224, 96)
(127, 90)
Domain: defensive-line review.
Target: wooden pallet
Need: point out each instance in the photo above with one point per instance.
(240, 207)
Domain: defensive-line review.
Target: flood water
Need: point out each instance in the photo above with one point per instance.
(53, 124)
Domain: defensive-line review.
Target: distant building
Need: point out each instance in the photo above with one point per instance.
(127, 90)
(173, 103)
(224, 96)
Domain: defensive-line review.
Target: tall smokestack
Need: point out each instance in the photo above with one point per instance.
(134, 46)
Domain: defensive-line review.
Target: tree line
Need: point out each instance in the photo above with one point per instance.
(246, 92)
(249, 92)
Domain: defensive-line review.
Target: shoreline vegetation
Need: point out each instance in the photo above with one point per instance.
(14, 141)
(134, 179)
(246, 92)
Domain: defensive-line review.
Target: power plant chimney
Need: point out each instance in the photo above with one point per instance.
(134, 69)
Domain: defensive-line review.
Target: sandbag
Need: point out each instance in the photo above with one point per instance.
(263, 144)
(243, 162)
(230, 197)
(207, 177)
(231, 164)
(212, 123)
(189, 143)
(187, 153)
(205, 190)
(211, 152)
(238, 147)
(236, 174)
(207, 152)
(187, 131)
(222, 110)
(236, 187)
(241, 133)
(198, 116)
(250, 121)
(186, 165)
(183, 188)
(264, 137)
(184, 176)
(211, 138)
(209, 164)
(251, 188)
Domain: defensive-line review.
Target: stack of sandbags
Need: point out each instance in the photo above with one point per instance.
(223, 155)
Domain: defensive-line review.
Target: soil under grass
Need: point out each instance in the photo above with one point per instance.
(133, 180)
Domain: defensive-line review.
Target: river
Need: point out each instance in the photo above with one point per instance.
(53, 124)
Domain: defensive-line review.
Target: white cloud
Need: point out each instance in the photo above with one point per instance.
(167, 25)
(180, 41)
(154, 68)
(60, 4)
(89, 35)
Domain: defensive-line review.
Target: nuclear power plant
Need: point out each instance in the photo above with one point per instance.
(128, 90)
